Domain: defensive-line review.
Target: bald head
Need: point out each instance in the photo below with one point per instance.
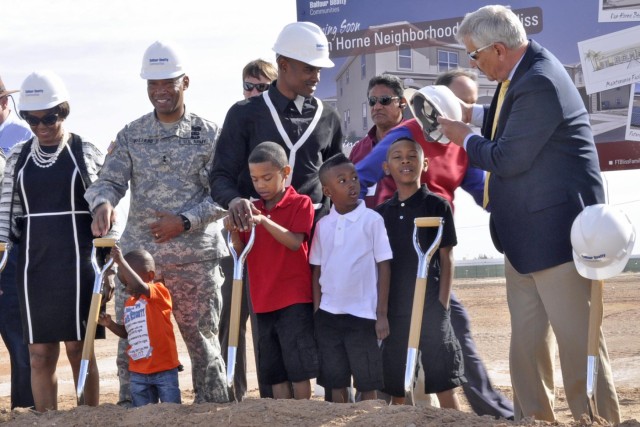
(465, 89)
(141, 262)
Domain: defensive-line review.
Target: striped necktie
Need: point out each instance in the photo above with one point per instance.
(503, 90)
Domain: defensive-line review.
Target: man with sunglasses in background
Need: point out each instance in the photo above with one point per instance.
(387, 101)
(257, 76)
(12, 131)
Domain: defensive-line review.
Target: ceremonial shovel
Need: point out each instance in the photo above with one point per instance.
(236, 303)
(94, 311)
(418, 299)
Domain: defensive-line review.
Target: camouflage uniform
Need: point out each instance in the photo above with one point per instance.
(168, 169)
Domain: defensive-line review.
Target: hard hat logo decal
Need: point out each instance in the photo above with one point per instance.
(593, 257)
(320, 46)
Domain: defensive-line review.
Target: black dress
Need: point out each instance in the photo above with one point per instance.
(55, 277)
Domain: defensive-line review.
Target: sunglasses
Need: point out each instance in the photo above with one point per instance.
(383, 100)
(248, 86)
(48, 120)
(474, 55)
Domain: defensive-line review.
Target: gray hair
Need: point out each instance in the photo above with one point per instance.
(492, 24)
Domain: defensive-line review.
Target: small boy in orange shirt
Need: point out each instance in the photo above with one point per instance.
(153, 354)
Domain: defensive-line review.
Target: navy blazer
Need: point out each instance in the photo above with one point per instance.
(542, 157)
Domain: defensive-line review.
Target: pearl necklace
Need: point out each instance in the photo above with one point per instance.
(43, 159)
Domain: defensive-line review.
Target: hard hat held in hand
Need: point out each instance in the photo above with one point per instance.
(42, 90)
(162, 60)
(305, 42)
(602, 238)
(430, 102)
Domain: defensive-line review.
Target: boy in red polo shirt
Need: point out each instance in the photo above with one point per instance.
(280, 276)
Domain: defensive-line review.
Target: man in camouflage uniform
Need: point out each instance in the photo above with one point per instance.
(166, 157)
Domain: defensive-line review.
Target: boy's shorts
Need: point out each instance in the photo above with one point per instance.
(286, 347)
(348, 346)
(440, 351)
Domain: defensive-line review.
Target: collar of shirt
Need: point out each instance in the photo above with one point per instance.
(352, 216)
(415, 197)
(289, 192)
(181, 128)
(281, 102)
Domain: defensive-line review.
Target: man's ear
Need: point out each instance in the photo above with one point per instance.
(425, 165)
(385, 168)
(326, 191)
(286, 171)
(151, 275)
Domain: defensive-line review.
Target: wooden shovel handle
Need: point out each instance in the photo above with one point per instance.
(3, 246)
(104, 242)
(236, 305)
(595, 318)
(92, 324)
(416, 312)
(428, 221)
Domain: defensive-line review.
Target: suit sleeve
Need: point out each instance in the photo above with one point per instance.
(473, 183)
(229, 159)
(370, 168)
(534, 114)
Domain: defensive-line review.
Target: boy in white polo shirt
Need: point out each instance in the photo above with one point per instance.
(350, 256)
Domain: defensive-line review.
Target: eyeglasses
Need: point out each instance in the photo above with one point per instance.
(248, 86)
(383, 100)
(474, 55)
(48, 120)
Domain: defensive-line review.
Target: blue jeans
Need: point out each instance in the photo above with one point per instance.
(11, 332)
(151, 388)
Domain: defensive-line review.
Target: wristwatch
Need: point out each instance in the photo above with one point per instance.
(186, 224)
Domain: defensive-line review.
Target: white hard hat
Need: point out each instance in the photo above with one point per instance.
(162, 60)
(305, 42)
(428, 103)
(602, 238)
(42, 90)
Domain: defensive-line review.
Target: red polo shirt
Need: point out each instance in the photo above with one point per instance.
(278, 276)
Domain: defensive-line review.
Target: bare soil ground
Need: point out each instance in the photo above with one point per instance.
(485, 300)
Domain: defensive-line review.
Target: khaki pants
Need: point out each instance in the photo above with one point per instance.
(550, 307)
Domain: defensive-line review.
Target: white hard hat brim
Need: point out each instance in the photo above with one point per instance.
(599, 273)
(410, 95)
(319, 62)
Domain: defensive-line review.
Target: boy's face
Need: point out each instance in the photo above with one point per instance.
(405, 162)
(342, 186)
(124, 282)
(268, 179)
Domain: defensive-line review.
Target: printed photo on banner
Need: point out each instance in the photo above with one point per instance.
(619, 10)
(612, 60)
(633, 124)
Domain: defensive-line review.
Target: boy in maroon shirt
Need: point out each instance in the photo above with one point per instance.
(280, 276)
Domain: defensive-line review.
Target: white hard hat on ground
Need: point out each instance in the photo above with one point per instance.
(162, 60)
(305, 42)
(602, 237)
(430, 102)
(42, 90)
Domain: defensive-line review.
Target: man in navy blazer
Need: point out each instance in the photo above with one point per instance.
(542, 160)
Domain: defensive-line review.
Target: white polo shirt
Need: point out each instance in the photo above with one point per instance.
(347, 248)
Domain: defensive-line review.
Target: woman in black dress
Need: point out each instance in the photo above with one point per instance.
(43, 207)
